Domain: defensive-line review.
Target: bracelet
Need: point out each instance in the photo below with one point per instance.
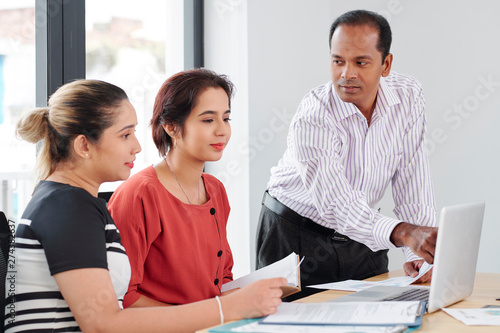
(220, 310)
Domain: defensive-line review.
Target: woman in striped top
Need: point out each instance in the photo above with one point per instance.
(71, 270)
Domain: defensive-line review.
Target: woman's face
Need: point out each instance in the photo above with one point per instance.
(206, 130)
(114, 155)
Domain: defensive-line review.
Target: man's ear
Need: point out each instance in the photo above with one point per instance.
(81, 146)
(387, 65)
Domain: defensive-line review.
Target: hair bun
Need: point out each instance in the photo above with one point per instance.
(33, 126)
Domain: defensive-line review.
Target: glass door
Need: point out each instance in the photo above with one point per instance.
(17, 95)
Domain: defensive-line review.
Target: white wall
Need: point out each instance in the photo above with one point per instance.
(450, 46)
(226, 52)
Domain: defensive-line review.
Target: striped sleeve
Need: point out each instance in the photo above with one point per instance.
(412, 185)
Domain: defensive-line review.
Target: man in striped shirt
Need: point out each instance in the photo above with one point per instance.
(348, 140)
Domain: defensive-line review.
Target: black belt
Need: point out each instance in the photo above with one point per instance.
(297, 219)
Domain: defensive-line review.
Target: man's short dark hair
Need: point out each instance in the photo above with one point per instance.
(365, 17)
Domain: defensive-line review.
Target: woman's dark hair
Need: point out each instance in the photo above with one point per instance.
(177, 97)
(85, 107)
(365, 17)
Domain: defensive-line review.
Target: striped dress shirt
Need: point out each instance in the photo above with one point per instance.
(336, 168)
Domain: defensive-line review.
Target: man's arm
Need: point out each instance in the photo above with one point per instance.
(421, 240)
(414, 195)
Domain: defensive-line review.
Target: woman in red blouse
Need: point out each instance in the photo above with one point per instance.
(172, 216)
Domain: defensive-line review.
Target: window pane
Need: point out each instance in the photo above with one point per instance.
(17, 95)
(136, 48)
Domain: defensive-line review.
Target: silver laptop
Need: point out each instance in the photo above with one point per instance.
(454, 267)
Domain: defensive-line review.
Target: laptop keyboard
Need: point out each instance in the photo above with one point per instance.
(416, 294)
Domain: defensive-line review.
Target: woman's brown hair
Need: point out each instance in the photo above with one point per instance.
(178, 96)
(81, 107)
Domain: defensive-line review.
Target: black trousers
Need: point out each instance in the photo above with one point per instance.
(329, 256)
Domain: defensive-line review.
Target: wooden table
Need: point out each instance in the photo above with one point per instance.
(486, 290)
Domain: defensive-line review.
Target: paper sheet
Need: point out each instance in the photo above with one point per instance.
(286, 267)
(350, 313)
(357, 285)
(258, 328)
(484, 316)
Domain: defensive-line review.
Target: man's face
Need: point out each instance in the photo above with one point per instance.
(356, 65)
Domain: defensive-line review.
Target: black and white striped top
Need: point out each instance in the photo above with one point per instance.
(336, 167)
(63, 228)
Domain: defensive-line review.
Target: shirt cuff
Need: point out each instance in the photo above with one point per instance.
(382, 230)
(409, 255)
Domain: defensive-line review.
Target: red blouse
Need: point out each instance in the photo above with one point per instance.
(173, 247)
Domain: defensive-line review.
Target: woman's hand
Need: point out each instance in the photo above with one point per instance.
(258, 299)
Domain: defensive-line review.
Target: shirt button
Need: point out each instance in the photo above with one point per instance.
(216, 281)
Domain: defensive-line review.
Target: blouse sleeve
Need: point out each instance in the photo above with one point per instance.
(133, 209)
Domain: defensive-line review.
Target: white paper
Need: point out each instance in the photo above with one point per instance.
(403, 281)
(485, 316)
(357, 285)
(286, 267)
(348, 313)
(255, 327)
(347, 285)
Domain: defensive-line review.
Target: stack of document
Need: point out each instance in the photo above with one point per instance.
(335, 317)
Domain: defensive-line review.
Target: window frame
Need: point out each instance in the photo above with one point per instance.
(59, 45)
(60, 42)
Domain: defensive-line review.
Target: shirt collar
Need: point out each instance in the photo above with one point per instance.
(386, 97)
